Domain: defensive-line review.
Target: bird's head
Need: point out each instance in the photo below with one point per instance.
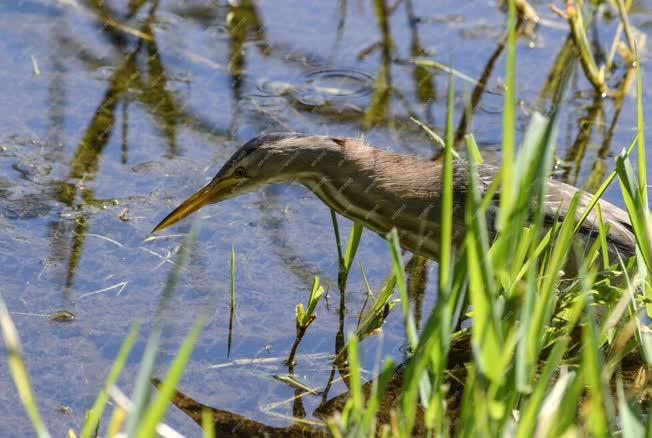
(266, 159)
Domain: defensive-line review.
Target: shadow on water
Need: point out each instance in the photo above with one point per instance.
(228, 423)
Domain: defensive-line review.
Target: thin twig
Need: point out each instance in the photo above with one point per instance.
(444, 68)
(120, 285)
(99, 236)
(35, 69)
(527, 11)
(269, 360)
(624, 19)
(614, 46)
(594, 74)
(164, 236)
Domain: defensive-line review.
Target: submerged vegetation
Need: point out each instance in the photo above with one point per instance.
(514, 346)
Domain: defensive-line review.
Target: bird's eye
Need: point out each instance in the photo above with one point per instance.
(239, 172)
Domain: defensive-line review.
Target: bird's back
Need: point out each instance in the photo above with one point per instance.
(556, 202)
(620, 236)
(383, 189)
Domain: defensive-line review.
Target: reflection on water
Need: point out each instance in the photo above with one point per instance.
(139, 102)
(322, 88)
(229, 423)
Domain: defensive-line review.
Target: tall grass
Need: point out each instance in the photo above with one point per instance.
(548, 354)
(19, 370)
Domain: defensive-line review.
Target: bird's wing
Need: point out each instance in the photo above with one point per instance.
(558, 197)
(556, 201)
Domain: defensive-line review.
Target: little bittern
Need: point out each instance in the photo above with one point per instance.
(381, 189)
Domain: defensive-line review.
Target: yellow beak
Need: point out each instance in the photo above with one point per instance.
(213, 192)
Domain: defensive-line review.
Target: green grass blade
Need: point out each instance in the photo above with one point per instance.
(433, 135)
(598, 194)
(528, 178)
(354, 368)
(142, 386)
(95, 413)
(509, 120)
(561, 391)
(446, 199)
(388, 288)
(566, 415)
(380, 309)
(116, 421)
(414, 369)
(527, 421)
(232, 276)
(304, 317)
(544, 301)
(156, 410)
(472, 149)
(432, 351)
(486, 332)
(338, 242)
(380, 384)
(19, 371)
(635, 207)
(345, 259)
(632, 424)
(399, 273)
(640, 125)
(522, 250)
(232, 303)
(352, 245)
(602, 234)
(470, 416)
(649, 423)
(544, 244)
(207, 423)
(599, 403)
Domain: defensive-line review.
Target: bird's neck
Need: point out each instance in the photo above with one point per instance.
(352, 166)
(380, 190)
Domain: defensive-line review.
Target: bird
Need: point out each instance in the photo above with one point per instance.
(381, 190)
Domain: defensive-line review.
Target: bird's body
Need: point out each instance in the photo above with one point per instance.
(382, 189)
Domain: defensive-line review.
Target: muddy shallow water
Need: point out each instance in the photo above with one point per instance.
(113, 112)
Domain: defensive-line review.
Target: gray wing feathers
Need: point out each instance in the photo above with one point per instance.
(556, 201)
(620, 235)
